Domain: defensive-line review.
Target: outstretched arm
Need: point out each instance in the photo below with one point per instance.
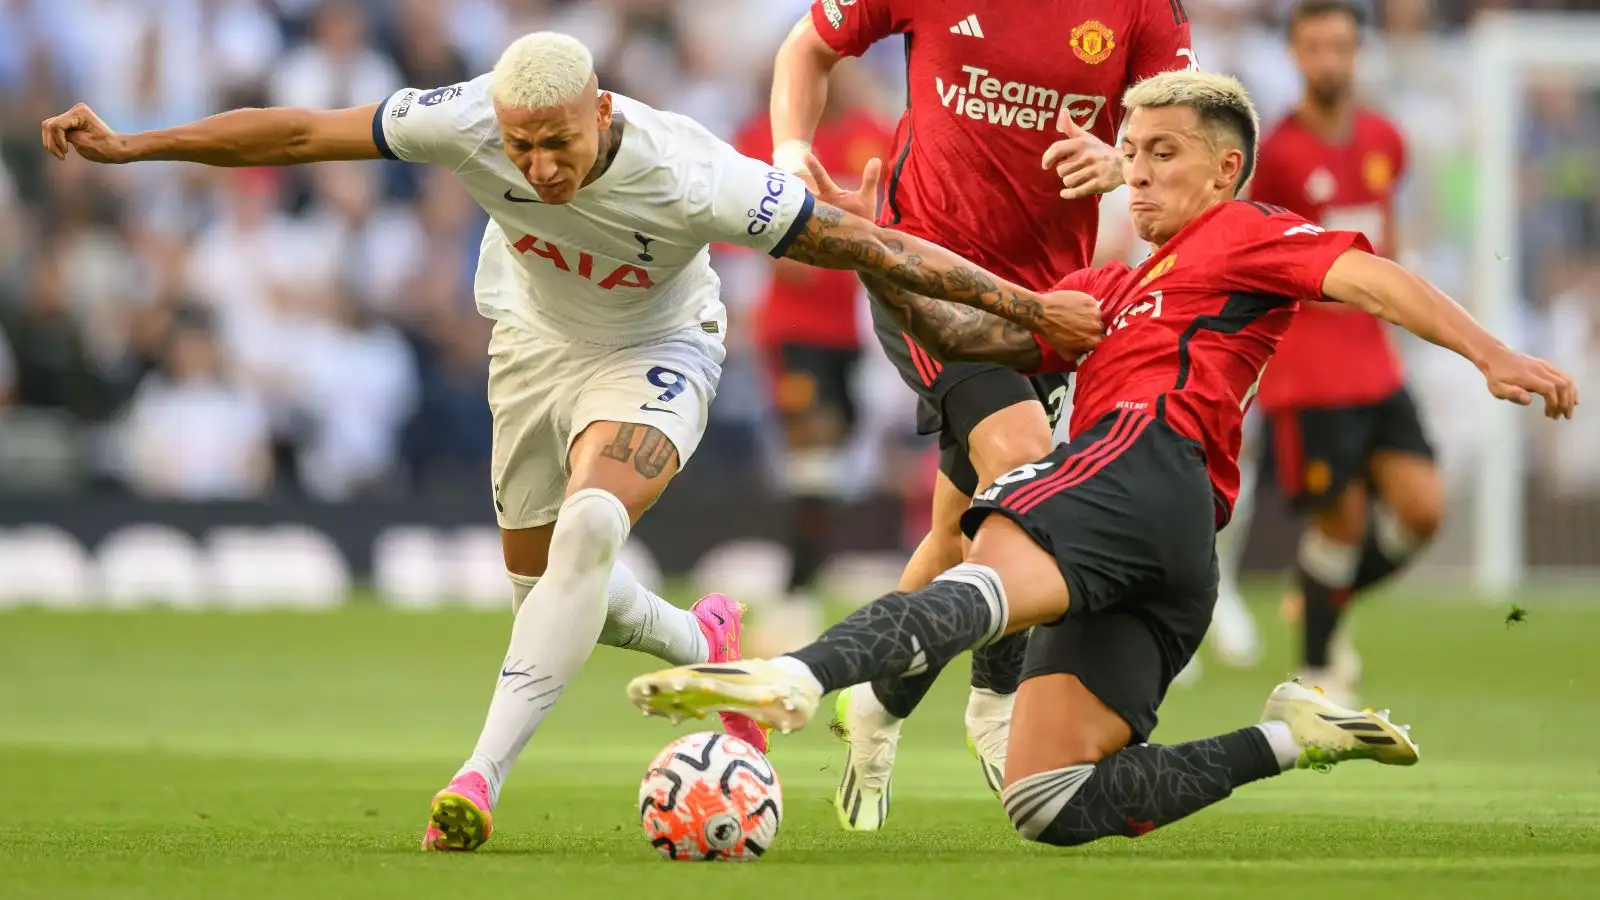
(241, 137)
(1390, 292)
(834, 239)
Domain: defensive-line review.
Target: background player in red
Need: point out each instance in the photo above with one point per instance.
(1106, 545)
(978, 168)
(808, 330)
(1350, 448)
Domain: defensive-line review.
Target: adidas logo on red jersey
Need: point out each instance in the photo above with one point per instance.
(968, 26)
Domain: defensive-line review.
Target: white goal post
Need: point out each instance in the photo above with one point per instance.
(1506, 48)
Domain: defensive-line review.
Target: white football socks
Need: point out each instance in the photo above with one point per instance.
(521, 587)
(791, 666)
(1281, 738)
(1328, 561)
(554, 632)
(637, 619)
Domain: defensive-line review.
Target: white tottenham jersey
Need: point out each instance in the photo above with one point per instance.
(627, 260)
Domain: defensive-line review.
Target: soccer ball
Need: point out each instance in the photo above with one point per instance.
(710, 796)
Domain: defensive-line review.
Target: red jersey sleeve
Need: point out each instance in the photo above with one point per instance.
(1097, 283)
(1273, 251)
(851, 26)
(1161, 42)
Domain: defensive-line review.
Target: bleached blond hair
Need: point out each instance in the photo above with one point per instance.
(540, 70)
(1226, 113)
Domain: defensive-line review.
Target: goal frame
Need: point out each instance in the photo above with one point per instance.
(1507, 47)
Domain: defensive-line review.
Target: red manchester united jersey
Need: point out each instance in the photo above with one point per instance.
(1333, 355)
(987, 80)
(1189, 331)
(807, 305)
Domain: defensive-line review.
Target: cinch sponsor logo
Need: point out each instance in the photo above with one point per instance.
(761, 215)
(1014, 104)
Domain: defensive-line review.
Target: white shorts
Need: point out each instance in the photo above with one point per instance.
(543, 393)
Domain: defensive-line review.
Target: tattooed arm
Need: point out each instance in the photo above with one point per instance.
(955, 333)
(834, 239)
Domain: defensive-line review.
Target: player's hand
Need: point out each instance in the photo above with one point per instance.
(1086, 165)
(859, 202)
(1518, 377)
(80, 128)
(1071, 322)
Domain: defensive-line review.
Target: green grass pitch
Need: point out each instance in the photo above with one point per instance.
(171, 755)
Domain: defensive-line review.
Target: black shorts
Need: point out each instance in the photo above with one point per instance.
(1317, 453)
(1127, 510)
(809, 378)
(952, 399)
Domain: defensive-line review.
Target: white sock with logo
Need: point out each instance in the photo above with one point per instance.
(638, 619)
(555, 630)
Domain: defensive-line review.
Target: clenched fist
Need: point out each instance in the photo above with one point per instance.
(1070, 321)
(80, 128)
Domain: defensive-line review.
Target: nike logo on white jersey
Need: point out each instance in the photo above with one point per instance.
(968, 27)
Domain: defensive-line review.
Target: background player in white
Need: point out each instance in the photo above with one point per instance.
(607, 347)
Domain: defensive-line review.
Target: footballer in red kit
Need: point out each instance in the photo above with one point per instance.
(1347, 184)
(1347, 440)
(1214, 300)
(808, 331)
(1000, 154)
(988, 82)
(1105, 547)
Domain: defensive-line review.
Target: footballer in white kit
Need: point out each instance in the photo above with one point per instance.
(606, 307)
(607, 346)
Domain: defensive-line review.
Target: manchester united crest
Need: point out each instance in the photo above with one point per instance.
(1159, 269)
(1093, 42)
(1378, 171)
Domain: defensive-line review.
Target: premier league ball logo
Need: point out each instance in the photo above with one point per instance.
(440, 95)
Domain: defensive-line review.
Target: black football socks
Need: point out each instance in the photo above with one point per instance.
(1139, 788)
(810, 518)
(910, 634)
(1386, 549)
(996, 668)
(1324, 569)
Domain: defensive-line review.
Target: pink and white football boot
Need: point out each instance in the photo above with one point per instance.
(460, 819)
(722, 622)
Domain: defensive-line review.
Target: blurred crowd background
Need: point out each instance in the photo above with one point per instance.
(190, 333)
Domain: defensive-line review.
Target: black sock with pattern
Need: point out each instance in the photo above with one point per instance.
(910, 634)
(1137, 789)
